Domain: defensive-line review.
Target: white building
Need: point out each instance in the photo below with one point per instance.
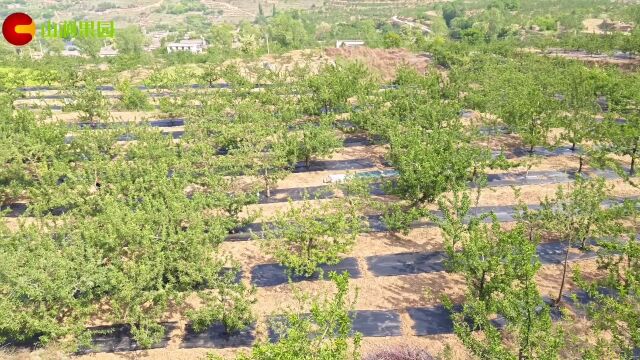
(349, 43)
(107, 51)
(196, 46)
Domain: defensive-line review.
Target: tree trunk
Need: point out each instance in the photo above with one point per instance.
(521, 353)
(223, 298)
(573, 146)
(633, 158)
(309, 245)
(627, 280)
(564, 273)
(481, 286)
(583, 243)
(423, 198)
(266, 182)
(307, 161)
(580, 167)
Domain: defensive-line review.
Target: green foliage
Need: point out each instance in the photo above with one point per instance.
(308, 235)
(211, 74)
(398, 218)
(104, 6)
(500, 273)
(579, 87)
(392, 40)
(324, 334)
(456, 223)
(185, 6)
(615, 302)
(126, 243)
(357, 192)
(451, 11)
(28, 312)
(90, 102)
(287, 31)
(229, 303)
(546, 23)
(510, 5)
(27, 143)
(163, 79)
(221, 37)
(333, 86)
(130, 40)
(624, 138)
(55, 46)
(250, 38)
(311, 140)
(95, 256)
(262, 152)
(525, 105)
(127, 233)
(432, 162)
(132, 98)
(489, 258)
(578, 216)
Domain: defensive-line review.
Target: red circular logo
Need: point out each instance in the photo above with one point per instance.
(19, 29)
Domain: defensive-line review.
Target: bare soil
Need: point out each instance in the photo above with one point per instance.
(384, 62)
(374, 293)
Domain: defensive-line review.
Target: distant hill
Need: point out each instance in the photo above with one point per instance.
(152, 13)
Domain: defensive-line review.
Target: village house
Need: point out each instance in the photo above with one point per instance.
(196, 46)
(349, 43)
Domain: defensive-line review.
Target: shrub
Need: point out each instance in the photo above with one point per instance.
(325, 333)
(132, 97)
(307, 236)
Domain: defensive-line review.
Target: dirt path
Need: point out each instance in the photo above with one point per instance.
(412, 24)
(228, 7)
(131, 10)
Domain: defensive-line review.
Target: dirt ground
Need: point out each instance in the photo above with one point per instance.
(593, 25)
(624, 63)
(374, 293)
(384, 62)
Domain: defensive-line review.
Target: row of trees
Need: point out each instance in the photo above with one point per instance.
(503, 314)
(127, 244)
(132, 231)
(438, 156)
(137, 224)
(568, 96)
